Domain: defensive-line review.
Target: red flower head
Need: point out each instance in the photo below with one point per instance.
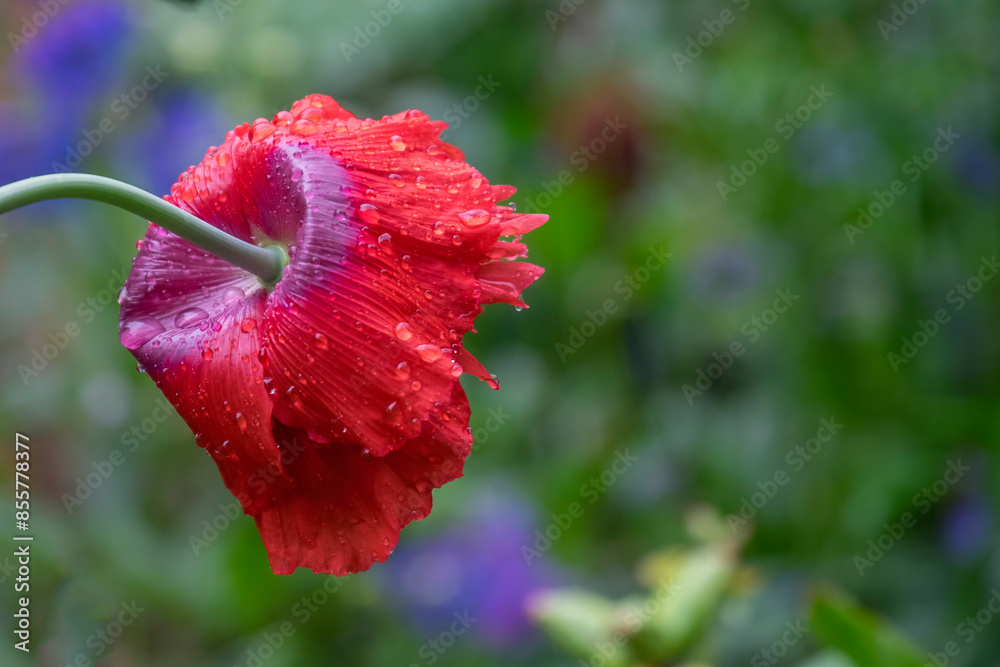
(330, 402)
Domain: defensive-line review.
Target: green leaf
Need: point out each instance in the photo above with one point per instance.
(827, 659)
(861, 635)
(582, 623)
(680, 607)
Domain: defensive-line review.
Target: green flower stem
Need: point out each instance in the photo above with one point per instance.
(266, 263)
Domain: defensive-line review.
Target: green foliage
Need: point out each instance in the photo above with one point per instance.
(868, 640)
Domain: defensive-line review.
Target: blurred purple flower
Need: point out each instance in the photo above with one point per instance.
(19, 154)
(65, 70)
(966, 528)
(978, 165)
(76, 59)
(725, 272)
(476, 566)
(827, 153)
(181, 123)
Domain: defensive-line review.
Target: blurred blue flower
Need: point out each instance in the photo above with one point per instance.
(65, 71)
(967, 527)
(75, 60)
(477, 566)
(725, 272)
(827, 153)
(978, 165)
(182, 123)
(19, 154)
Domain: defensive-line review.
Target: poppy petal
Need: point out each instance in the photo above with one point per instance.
(194, 331)
(349, 507)
(388, 273)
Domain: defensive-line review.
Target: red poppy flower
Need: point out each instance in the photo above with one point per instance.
(331, 401)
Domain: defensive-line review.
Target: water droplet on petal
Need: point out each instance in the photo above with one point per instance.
(191, 317)
(206, 354)
(368, 213)
(321, 341)
(140, 331)
(303, 127)
(248, 324)
(397, 143)
(403, 370)
(393, 413)
(232, 295)
(475, 218)
(456, 370)
(396, 180)
(429, 353)
(403, 331)
(241, 421)
(294, 396)
(261, 130)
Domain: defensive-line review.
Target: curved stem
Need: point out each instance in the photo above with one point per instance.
(266, 263)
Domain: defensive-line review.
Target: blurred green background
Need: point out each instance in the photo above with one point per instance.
(757, 384)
